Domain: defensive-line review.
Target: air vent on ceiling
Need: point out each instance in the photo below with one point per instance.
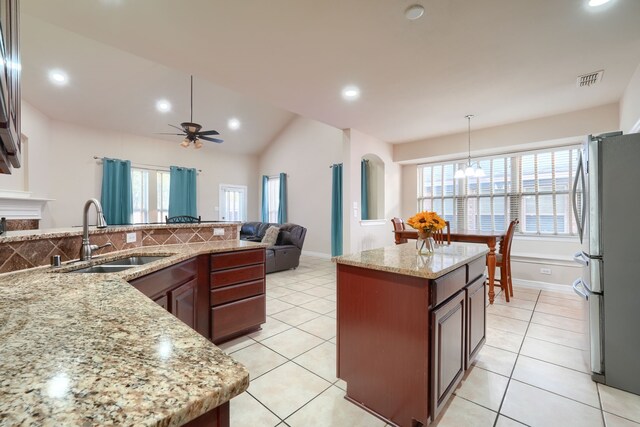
(590, 79)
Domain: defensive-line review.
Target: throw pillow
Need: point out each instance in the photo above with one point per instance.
(271, 236)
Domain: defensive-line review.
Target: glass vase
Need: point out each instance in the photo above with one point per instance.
(425, 243)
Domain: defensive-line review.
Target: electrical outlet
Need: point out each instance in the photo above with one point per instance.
(218, 231)
(545, 271)
(131, 237)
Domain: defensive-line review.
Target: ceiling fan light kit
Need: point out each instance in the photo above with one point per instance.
(192, 132)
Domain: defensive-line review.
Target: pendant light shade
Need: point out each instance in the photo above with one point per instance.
(469, 171)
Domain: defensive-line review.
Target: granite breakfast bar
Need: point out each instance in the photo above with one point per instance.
(90, 349)
(409, 326)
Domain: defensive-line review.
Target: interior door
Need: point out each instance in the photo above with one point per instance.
(233, 203)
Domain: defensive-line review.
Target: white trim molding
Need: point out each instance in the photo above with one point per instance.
(370, 222)
(545, 286)
(19, 205)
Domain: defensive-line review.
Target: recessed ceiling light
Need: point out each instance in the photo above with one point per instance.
(414, 12)
(163, 106)
(351, 93)
(595, 3)
(233, 123)
(58, 77)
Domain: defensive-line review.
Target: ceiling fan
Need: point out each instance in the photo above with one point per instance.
(192, 132)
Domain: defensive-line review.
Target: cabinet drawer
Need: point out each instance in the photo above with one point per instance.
(154, 284)
(236, 292)
(237, 259)
(476, 268)
(448, 285)
(237, 275)
(235, 317)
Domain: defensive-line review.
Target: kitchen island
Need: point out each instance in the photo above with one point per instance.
(409, 326)
(90, 349)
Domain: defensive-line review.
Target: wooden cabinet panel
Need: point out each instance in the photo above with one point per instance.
(476, 319)
(237, 259)
(447, 350)
(183, 302)
(232, 293)
(236, 275)
(237, 317)
(448, 285)
(476, 269)
(217, 417)
(155, 284)
(162, 301)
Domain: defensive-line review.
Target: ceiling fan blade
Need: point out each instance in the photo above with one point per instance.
(173, 126)
(211, 139)
(167, 133)
(208, 132)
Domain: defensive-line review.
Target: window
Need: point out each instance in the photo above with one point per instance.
(273, 197)
(233, 202)
(150, 190)
(533, 187)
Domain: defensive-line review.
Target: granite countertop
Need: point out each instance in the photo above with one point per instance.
(89, 349)
(51, 233)
(404, 259)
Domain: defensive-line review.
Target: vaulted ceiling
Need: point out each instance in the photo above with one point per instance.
(265, 61)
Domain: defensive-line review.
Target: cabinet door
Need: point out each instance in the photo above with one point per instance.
(448, 350)
(162, 301)
(183, 302)
(476, 319)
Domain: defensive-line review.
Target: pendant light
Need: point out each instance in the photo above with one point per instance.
(469, 171)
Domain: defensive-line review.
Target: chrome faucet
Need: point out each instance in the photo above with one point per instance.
(87, 248)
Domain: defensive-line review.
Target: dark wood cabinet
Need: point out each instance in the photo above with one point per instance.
(237, 290)
(183, 302)
(10, 68)
(221, 295)
(476, 319)
(404, 342)
(178, 289)
(447, 350)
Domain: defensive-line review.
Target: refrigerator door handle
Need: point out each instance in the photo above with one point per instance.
(581, 259)
(579, 288)
(574, 196)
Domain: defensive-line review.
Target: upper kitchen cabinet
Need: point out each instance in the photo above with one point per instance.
(10, 145)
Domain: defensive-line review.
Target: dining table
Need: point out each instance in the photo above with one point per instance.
(490, 238)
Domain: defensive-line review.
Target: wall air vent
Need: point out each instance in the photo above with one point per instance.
(590, 79)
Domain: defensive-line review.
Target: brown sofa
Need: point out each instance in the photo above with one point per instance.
(285, 254)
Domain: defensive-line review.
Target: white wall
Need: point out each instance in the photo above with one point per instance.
(304, 150)
(529, 255)
(630, 105)
(60, 166)
(361, 235)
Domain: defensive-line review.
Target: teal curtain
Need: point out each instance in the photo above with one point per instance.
(182, 192)
(116, 198)
(264, 215)
(282, 206)
(336, 210)
(364, 188)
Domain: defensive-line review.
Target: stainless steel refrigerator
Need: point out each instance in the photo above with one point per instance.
(606, 201)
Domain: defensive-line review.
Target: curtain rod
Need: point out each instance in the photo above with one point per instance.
(143, 164)
(339, 164)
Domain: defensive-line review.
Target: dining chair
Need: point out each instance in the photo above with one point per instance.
(441, 236)
(503, 261)
(398, 225)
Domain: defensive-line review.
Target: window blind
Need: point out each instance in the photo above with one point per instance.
(532, 186)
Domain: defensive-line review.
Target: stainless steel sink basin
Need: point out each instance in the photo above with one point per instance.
(103, 269)
(134, 260)
(119, 264)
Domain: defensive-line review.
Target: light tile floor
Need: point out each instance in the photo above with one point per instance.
(532, 370)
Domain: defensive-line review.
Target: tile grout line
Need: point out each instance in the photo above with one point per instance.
(515, 363)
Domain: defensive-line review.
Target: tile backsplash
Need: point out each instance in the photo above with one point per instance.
(28, 253)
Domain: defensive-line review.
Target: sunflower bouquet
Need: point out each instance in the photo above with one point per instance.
(426, 223)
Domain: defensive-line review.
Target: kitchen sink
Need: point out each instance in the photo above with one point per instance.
(119, 264)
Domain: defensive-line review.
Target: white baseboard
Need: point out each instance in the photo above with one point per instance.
(317, 254)
(545, 286)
